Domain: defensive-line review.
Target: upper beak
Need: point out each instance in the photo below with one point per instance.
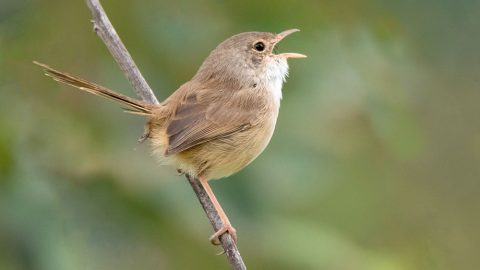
(281, 36)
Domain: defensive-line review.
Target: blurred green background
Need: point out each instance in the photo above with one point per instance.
(374, 165)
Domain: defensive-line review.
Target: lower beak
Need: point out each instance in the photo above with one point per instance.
(292, 55)
(281, 36)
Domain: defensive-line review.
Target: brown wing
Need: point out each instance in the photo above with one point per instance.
(203, 115)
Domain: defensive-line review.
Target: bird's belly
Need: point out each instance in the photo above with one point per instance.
(253, 142)
(225, 156)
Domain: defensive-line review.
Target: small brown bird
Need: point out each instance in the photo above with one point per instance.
(222, 119)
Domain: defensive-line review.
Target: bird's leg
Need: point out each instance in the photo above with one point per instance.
(226, 226)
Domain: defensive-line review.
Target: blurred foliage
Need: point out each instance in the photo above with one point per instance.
(374, 163)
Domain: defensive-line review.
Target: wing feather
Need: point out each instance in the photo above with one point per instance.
(204, 115)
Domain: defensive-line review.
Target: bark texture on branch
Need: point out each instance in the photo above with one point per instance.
(228, 244)
(109, 36)
(104, 29)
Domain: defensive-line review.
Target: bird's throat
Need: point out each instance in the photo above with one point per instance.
(275, 75)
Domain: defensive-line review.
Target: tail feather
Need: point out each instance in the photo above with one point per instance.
(134, 106)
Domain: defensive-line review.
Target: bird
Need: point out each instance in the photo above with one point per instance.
(219, 121)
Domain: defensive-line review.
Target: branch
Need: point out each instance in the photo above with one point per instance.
(105, 30)
(228, 244)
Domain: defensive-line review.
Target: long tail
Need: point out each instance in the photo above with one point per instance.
(134, 106)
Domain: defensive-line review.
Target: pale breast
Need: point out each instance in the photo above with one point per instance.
(229, 155)
(233, 153)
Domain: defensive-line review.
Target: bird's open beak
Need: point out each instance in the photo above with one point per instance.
(281, 36)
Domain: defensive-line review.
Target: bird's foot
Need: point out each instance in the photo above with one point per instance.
(227, 228)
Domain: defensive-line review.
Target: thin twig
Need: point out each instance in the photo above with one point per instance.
(105, 30)
(228, 244)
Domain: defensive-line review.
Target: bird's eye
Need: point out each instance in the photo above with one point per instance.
(259, 46)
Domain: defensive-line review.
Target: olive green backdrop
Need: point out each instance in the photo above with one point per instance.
(374, 165)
